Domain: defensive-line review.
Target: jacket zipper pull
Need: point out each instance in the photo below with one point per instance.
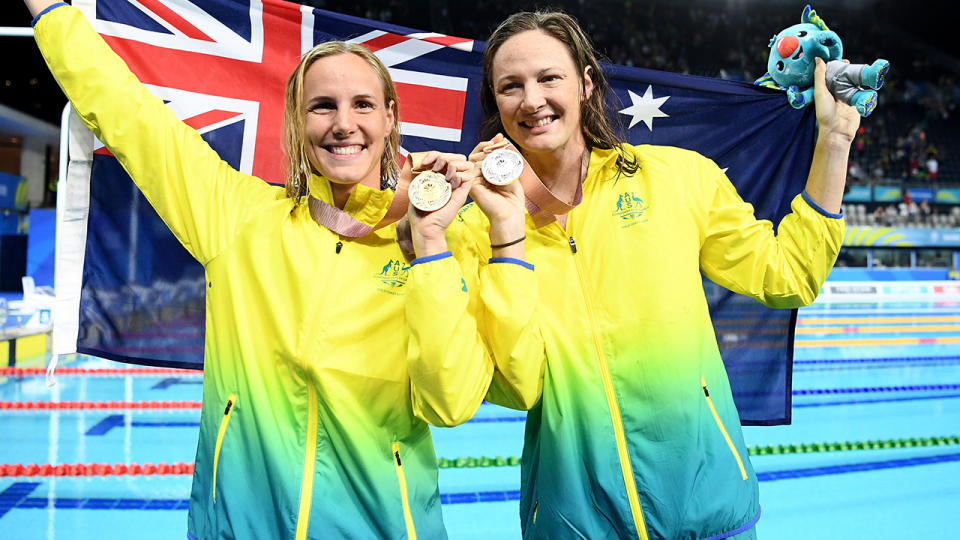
(226, 411)
(339, 246)
(397, 455)
(573, 244)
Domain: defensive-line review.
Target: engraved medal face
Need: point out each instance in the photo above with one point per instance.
(429, 191)
(502, 167)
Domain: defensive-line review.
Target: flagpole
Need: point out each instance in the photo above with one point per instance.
(16, 31)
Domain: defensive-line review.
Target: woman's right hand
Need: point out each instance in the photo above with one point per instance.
(503, 205)
(428, 229)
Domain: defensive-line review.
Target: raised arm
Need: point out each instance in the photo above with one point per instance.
(449, 365)
(837, 125)
(200, 197)
(786, 269)
(509, 291)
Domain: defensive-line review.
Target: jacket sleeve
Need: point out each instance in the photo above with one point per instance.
(781, 270)
(509, 300)
(200, 197)
(448, 363)
(508, 321)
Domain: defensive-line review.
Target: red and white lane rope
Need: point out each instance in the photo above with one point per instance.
(95, 469)
(85, 405)
(100, 372)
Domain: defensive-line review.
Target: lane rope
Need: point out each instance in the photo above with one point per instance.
(181, 468)
(95, 469)
(86, 405)
(102, 372)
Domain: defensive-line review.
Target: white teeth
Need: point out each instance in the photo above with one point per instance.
(345, 150)
(542, 121)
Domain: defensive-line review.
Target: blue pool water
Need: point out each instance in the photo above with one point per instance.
(868, 373)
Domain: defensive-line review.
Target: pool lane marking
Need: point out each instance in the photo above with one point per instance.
(117, 420)
(172, 381)
(865, 342)
(873, 401)
(885, 329)
(877, 360)
(14, 495)
(872, 367)
(834, 364)
(805, 320)
(789, 474)
(877, 389)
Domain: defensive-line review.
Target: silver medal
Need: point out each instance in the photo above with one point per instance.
(502, 167)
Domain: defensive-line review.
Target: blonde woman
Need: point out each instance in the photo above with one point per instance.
(326, 352)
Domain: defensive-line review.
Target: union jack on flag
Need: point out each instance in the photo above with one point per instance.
(217, 64)
(128, 291)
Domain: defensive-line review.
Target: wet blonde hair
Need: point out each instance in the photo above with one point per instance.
(299, 167)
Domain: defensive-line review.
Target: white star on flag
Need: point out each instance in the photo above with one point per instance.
(645, 109)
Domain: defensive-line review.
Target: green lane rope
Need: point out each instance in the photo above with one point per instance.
(769, 450)
(807, 448)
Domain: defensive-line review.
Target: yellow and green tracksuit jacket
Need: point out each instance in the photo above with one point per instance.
(632, 430)
(316, 395)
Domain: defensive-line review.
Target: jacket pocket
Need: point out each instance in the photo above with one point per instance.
(227, 411)
(723, 430)
(402, 479)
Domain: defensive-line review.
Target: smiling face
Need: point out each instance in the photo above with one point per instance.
(347, 119)
(539, 90)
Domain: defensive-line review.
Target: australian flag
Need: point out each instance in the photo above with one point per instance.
(128, 291)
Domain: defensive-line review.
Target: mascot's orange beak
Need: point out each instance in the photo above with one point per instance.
(787, 45)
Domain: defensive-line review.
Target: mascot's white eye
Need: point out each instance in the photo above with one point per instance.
(802, 33)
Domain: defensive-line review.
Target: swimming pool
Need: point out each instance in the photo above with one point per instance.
(873, 451)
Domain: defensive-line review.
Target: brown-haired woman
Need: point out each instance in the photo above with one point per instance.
(632, 430)
(320, 374)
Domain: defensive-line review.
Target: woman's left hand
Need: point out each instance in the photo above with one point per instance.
(834, 117)
(429, 228)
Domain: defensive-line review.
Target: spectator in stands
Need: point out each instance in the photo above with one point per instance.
(933, 166)
(913, 212)
(855, 172)
(890, 215)
(925, 212)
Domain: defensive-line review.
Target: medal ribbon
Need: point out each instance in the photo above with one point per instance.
(543, 206)
(345, 224)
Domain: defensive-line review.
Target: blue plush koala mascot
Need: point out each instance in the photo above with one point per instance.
(791, 66)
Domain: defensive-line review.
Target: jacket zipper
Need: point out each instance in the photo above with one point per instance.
(733, 449)
(309, 460)
(227, 411)
(407, 516)
(625, 467)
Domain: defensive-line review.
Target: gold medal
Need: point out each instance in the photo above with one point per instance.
(429, 191)
(502, 167)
